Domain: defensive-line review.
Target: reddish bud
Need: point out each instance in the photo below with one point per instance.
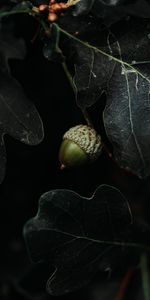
(52, 17)
(43, 7)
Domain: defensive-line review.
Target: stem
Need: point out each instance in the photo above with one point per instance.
(69, 76)
(35, 34)
(121, 244)
(84, 111)
(45, 27)
(145, 276)
(124, 284)
(15, 12)
(87, 117)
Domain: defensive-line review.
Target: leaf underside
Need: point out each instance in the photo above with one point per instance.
(74, 234)
(127, 111)
(117, 62)
(18, 116)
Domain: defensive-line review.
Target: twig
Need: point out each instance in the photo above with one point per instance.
(125, 283)
(145, 276)
(87, 117)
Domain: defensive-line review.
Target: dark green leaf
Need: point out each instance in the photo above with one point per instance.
(126, 116)
(112, 11)
(23, 5)
(10, 47)
(18, 116)
(117, 62)
(83, 7)
(74, 234)
(51, 48)
(91, 75)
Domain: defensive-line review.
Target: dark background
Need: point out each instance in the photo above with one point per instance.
(33, 170)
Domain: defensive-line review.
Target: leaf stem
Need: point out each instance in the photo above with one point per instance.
(14, 12)
(65, 68)
(125, 283)
(84, 111)
(104, 242)
(145, 276)
(87, 117)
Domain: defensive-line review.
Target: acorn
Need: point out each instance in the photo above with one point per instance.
(81, 145)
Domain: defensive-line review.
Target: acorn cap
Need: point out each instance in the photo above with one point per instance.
(80, 144)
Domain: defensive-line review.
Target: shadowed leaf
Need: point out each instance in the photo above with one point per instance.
(128, 102)
(117, 62)
(74, 234)
(18, 116)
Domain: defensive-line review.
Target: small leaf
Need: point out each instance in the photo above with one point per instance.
(51, 48)
(74, 234)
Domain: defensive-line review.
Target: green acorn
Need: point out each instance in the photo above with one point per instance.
(81, 145)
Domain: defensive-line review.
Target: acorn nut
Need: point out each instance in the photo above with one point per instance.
(81, 144)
